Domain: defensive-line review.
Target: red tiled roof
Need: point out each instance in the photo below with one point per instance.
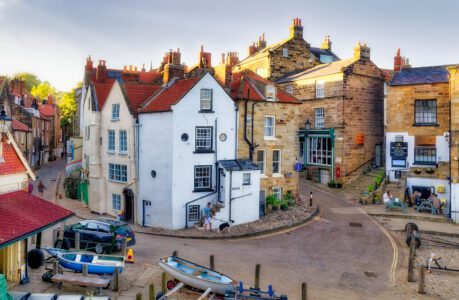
(11, 163)
(139, 93)
(18, 126)
(148, 77)
(387, 73)
(171, 95)
(22, 214)
(42, 116)
(46, 109)
(102, 90)
(240, 78)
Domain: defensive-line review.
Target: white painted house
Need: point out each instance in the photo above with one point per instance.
(187, 157)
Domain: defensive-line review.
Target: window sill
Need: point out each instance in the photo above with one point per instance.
(420, 164)
(116, 181)
(278, 175)
(114, 120)
(246, 184)
(270, 138)
(123, 153)
(203, 151)
(426, 124)
(263, 176)
(111, 152)
(202, 111)
(202, 190)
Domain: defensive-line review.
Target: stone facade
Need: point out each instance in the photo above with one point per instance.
(454, 141)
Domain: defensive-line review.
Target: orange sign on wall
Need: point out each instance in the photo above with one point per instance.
(359, 139)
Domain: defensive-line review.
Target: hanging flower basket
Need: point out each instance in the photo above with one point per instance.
(430, 171)
(417, 171)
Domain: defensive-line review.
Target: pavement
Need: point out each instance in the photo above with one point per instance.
(344, 254)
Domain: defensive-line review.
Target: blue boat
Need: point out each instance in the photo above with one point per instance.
(97, 264)
(55, 251)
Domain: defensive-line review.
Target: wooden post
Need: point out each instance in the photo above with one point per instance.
(411, 259)
(116, 279)
(55, 268)
(124, 247)
(163, 283)
(304, 291)
(151, 292)
(422, 273)
(175, 253)
(38, 244)
(85, 270)
(212, 263)
(257, 276)
(138, 296)
(77, 241)
(54, 236)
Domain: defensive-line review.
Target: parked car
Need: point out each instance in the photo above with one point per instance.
(98, 235)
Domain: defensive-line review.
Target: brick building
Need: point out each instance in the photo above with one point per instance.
(454, 141)
(52, 112)
(343, 105)
(421, 125)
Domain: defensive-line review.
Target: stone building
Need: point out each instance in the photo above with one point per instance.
(421, 125)
(268, 122)
(454, 141)
(343, 115)
(51, 111)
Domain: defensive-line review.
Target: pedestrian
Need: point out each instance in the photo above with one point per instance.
(41, 187)
(30, 187)
(207, 217)
(387, 197)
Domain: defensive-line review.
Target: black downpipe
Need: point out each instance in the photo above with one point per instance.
(251, 147)
(253, 118)
(230, 192)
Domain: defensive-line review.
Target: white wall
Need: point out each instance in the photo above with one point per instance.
(13, 182)
(455, 202)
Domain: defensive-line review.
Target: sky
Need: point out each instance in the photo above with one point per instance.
(52, 38)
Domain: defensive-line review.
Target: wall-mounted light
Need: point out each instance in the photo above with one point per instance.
(447, 137)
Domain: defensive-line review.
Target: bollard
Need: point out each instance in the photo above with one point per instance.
(116, 279)
(151, 292)
(411, 259)
(422, 273)
(304, 291)
(77, 241)
(257, 276)
(55, 267)
(163, 283)
(212, 263)
(138, 296)
(310, 200)
(175, 253)
(85, 270)
(124, 247)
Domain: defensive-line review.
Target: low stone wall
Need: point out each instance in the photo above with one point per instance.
(370, 198)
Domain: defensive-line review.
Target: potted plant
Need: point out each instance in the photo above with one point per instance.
(430, 170)
(284, 205)
(270, 200)
(417, 171)
(371, 188)
(331, 184)
(276, 204)
(339, 183)
(289, 199)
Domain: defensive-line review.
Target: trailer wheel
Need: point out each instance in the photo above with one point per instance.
(159, 295)
(413, 225)
(417, 242)
(283, 297)
(170, 284)
(35, 258)
(46, 277)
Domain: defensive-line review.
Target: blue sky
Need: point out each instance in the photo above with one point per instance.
(52, 38)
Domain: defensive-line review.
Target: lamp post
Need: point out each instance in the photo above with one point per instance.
(5, 122)
(307, 126)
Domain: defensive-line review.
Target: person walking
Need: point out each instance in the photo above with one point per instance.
(207, 217)
(41, 187)
(30, 187)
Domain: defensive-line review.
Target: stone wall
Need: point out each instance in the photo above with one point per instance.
(298, 58)
(286, 116)
(454, 138)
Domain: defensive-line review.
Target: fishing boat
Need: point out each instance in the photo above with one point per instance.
(54, 251)
(97, 264)
(197, 276)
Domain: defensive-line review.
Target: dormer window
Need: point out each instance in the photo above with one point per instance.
(285, 52)
(206, 99)
(270, 93)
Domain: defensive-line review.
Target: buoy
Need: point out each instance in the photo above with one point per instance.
(130, 257)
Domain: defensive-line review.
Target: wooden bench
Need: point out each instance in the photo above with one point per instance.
(427, 205)
(81, 280)
(395, 205)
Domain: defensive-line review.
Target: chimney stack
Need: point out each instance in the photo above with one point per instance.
(326, 44)
(296, 30)
(398, 62)
(261, 42)
(204, 59)
(18, 85)
(252, 49)
(50, 100)
(101, 71)
(362, 52)
(88, 66)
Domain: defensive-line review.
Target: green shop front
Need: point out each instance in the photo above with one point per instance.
(316, 154)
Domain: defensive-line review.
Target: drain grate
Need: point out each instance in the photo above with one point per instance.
(370, 274)
(355, 224)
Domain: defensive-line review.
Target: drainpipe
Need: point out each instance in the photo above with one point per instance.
(251, 147)
(230, 194)
(137, 153)
(253, 118)
(217, 174)
(236, 110)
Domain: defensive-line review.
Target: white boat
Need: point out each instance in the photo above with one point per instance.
(97, 264)
(197, 276)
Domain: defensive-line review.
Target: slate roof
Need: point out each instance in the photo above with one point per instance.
(318, 51)
(319, 70)
(170, 95)
(425, 75)
(138, 93)
(247, 80)
(11, 163)
(23, 214)
(238, 165)
(18, 126)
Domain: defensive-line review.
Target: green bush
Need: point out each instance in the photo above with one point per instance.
(284, 203)
(271, 200)
(371, 188)
(382, 174)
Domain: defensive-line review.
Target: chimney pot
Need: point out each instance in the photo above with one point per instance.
(135, 69)
(223, 58)
(202, 48)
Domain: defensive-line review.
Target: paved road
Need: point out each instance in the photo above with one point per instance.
(329, 254)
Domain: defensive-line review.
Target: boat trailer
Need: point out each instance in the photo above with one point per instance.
(253, 294)
(419, 237)
(432, 263)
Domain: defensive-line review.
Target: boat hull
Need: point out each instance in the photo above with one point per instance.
(193, 281)
(93, 268)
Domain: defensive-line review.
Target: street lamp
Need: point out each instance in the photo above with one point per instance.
(5, 121)
(307, 126)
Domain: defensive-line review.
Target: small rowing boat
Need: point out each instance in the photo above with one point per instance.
(197, 276)
(97, 264)
(54, 251)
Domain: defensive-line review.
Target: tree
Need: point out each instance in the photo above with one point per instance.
(43, 90)
(67, 105)
(30, 79)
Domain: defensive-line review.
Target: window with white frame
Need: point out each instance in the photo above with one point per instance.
(319, 151)
(246, 179)
(319, 118)
(123, 141)
(320, 87)
(202, 177)
(116, 202)
(206, 99)
(203, 139)
(425, 112)
(261, 160)
(249, 119)
(111, 141)
(117, 172)
(270, 93)
(22, 138)
(289, 89)
(269, 127)
(16, 136)
(193, 212)
(276, 161)
(285, 52)
(277, 192)
(43, 125)
(115, 112)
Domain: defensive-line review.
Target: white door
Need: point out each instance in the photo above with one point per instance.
(147, 212)
(324, 176)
